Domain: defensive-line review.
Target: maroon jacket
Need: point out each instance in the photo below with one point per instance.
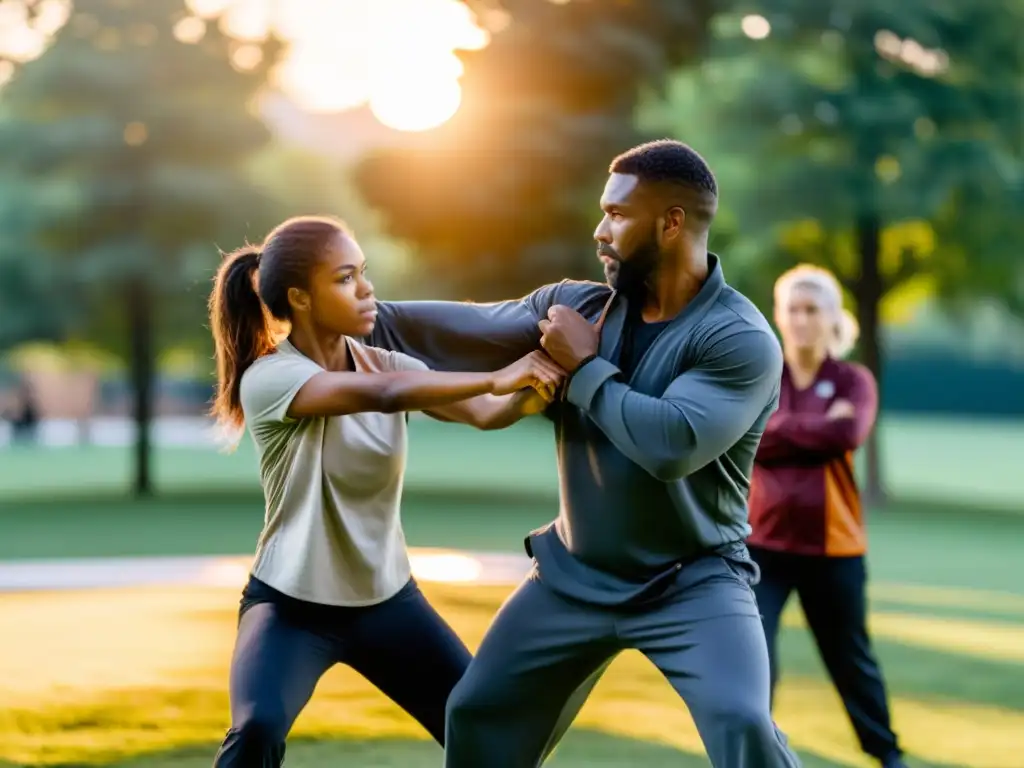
(803, 495)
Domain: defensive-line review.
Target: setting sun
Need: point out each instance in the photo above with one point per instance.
(416, 104)
(396, 56)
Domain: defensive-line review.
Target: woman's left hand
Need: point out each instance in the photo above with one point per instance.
(841, 409)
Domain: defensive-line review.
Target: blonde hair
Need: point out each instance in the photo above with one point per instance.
(846, 329)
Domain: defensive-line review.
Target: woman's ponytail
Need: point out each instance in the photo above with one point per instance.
(847, 333)
(241, 334)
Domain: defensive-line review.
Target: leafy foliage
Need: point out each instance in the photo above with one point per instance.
(128, 148)
(504, 196)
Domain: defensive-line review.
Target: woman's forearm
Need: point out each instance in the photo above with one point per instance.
(489, 412)
(413, 393)
(335, 394)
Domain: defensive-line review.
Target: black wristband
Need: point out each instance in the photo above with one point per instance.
(584, 361)
(572, 373)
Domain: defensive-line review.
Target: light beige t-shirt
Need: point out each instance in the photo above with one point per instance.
(332, 532)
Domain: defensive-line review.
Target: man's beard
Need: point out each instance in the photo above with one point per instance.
(631, 276)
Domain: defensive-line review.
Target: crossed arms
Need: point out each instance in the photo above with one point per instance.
(702, 413)
(811, 437)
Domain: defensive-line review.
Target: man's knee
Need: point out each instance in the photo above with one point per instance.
(257, 738)
(467, 736)
(471, 699)
(746, 719)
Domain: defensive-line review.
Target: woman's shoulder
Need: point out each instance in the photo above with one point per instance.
(282, 357)
(370, 359)
(853, 371)
(281, 370)
(259, 367)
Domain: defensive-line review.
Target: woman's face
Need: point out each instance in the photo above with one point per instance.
(804, 320)
(341, 296)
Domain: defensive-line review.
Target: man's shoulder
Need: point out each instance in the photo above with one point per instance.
(736, 327)
(732, 315)
(736, 311)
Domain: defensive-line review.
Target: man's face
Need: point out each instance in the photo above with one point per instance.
(627, 237)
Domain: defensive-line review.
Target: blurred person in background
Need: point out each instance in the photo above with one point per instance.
(805, 508)
(24, 417)
(331, 582)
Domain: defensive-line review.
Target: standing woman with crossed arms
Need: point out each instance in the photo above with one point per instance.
(331, 582)
(805, 509)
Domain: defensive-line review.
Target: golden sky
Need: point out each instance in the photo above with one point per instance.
(394, 55)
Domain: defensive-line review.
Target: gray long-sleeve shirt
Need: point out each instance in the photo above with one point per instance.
(654, 470)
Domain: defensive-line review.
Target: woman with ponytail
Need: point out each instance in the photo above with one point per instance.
(805, 509)
(331, 582)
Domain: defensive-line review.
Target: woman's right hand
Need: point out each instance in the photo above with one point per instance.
(536, 370)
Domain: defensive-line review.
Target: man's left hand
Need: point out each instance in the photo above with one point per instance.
(568, 337)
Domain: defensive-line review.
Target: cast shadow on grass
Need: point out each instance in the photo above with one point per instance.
(581, 749)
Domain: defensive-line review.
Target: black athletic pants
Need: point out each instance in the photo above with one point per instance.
(285, 645)
(832, 593)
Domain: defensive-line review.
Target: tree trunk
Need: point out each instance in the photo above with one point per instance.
(870, 289)
(140, 329)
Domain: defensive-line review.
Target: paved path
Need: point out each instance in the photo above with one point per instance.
(429, 565)
(172, 431)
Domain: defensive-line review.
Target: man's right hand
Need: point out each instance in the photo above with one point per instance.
(536, 370)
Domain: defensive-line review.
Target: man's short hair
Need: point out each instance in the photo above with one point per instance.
(669, 161)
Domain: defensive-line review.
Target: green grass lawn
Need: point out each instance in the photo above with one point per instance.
(484, 491)
(911, 543)
(137, 678)
(975, 462)
(584, 748)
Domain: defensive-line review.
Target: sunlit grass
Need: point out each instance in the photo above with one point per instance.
(1000, 641)
(106, 675)
(969, 600)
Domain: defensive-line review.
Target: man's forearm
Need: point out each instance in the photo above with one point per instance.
(652, 432)
(701, 414)
(455, 336)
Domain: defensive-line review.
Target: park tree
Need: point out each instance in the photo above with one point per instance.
(886, 138)
(300, 181)
(30, 301)
(504, 196)
(293, 181)
(127, 141)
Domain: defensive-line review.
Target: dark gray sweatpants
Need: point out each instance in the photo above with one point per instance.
(544, 653)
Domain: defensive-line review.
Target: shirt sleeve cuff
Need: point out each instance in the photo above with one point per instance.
(587, 380)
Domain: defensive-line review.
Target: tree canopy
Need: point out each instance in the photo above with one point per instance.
(504, 196)
(127, 141)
